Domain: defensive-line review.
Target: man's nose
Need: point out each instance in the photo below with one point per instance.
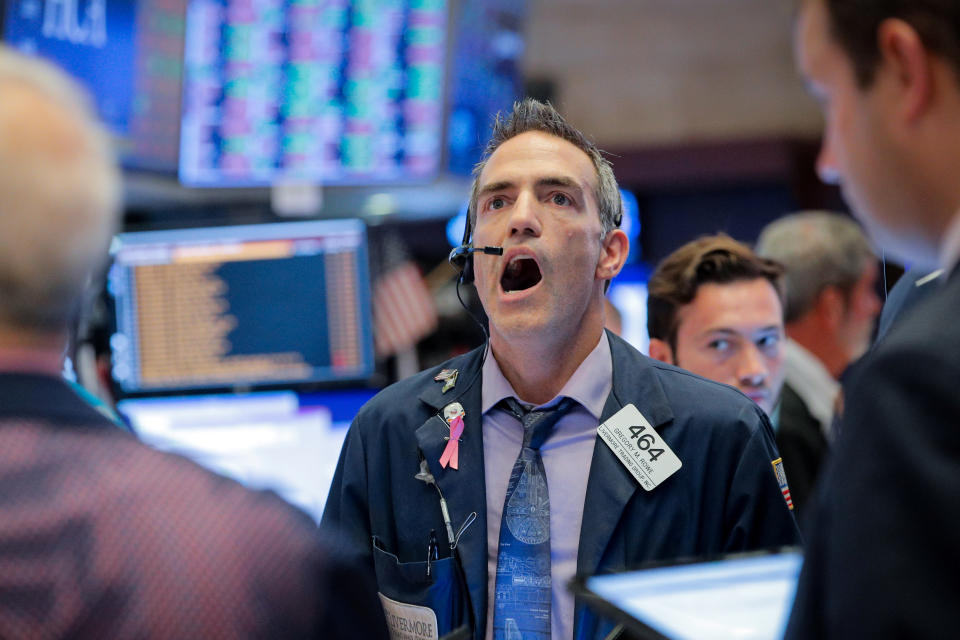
(752, 368)
(525, 216)
(826, 162)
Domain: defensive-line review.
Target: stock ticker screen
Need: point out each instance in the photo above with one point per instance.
(328, 91)
(127, 55)
(240, 307)
(240, 93)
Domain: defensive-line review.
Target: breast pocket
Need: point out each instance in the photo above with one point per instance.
(407, 583)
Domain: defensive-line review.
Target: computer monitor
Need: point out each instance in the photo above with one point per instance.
(746, 596)
(128, 55)
(280, 440)
(240, 307)
(335, 92)
(93, 41)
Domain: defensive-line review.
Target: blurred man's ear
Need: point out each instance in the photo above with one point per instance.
(904, 55)
(660, 350)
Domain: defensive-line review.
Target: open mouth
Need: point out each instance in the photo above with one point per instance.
(522, 272)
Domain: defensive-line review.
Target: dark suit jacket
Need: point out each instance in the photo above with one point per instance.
(882, 556)
(803, 446)
(103, 537)
(903, 297)
(725, 497)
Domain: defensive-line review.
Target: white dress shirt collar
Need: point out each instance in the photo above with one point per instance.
(812, 382)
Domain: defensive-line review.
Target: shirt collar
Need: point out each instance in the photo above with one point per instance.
(813, 383)
(45, 397)
(589, 385)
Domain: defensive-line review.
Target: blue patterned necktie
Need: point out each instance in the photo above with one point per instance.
(522, 598)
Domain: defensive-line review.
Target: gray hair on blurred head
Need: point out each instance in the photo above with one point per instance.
(819, 249)
(60, 193)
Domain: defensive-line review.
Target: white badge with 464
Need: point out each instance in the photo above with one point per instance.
(639, 447)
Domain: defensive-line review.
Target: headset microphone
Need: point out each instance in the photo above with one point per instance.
(461, 257)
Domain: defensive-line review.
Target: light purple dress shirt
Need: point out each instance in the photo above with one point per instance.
(566, 454)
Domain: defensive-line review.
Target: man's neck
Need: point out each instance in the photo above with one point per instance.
(31, 352)
(538, 371)
(820, 343)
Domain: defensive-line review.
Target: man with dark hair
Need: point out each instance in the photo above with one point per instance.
(881, 558)
(101, 536)
(506, 455)
(714, 308)
(831, 305)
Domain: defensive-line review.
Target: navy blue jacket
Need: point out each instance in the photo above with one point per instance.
(882, 559)
(725, 497)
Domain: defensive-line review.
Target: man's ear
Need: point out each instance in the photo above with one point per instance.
(907, 66)
(660, 350)
(613, 253)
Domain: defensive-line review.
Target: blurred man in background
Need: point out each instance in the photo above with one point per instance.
(102, 537)
(831, 307)
(714, 308)
(881, 557)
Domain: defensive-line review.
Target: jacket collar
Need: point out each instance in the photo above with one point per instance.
(610, 486)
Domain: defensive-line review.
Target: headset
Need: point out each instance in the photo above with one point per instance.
(462, 257)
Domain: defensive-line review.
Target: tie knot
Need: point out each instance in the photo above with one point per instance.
(537, 423)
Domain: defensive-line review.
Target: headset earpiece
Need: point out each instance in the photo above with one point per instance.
(461, 257)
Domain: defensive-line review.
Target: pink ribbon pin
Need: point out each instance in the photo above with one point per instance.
(451, 454)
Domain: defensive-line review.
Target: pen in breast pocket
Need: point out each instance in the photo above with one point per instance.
(433, 551)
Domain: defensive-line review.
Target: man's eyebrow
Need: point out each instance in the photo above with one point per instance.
(723, 331)
(772, 327)
(502, 185)
(561, 181)
(728, 332)
(558, 181)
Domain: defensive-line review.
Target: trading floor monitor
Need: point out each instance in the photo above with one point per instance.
(246, 348)
(241, 307)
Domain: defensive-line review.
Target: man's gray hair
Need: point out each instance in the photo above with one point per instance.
(533, 115)
(819, 249)
(59, 194)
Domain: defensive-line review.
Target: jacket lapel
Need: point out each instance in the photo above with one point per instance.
(465, 488)
(610, 486)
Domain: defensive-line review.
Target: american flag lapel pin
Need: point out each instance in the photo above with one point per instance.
(782, 481)
(448, 377)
